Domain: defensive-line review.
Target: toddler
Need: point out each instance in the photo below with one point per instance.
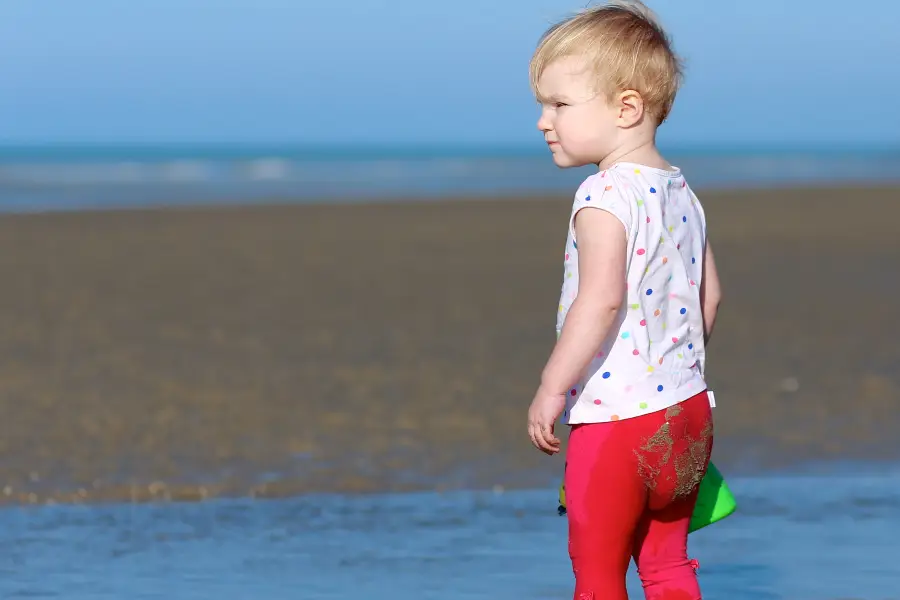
(639, 300)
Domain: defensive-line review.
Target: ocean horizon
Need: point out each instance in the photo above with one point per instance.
(52, 177)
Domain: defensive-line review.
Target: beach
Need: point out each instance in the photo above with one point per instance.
(281, 350)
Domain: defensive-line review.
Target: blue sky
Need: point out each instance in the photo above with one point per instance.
(395, 72)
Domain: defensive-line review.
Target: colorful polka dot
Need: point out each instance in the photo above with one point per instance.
(671, 228)
(587, 199)
(615, 417)
(567, 256)
(641, 252)
(637, 170)
(606, 375)
(656, 313)
(598, 402)
(652, 190)
(625, 335)
(643, 322)
(665, 260)
(648, 219)
(607, 188)
(636, 352)
(659, 388)
(573, 391)
(649, 292)
(683, 311)
(681, 356)
(634, 306)
(650, 369)
(678, 247)
(690, 346)
(640, 202)
(643, 405)
(693, 282)
(660, 361)
(693, 260)
(684, 219)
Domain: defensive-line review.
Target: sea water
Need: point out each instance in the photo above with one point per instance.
(825, 536)
(41, 178)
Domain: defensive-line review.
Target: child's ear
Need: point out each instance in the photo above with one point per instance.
(630, 106)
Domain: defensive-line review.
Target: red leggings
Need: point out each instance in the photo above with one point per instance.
(631, 486)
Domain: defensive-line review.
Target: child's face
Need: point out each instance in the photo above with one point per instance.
(579, 126)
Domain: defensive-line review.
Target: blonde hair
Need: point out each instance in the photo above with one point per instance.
(626, 48)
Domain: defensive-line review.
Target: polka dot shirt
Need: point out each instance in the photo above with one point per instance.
(654, 356)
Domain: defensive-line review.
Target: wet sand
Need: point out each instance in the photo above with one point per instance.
(279, 350)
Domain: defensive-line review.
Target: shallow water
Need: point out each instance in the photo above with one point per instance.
(823, 536)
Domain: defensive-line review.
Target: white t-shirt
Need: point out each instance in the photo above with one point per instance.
(654, 354)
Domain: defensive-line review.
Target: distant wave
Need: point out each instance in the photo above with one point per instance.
(61, 180)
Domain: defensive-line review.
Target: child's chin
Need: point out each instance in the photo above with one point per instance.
(567, 162)
(562, 161)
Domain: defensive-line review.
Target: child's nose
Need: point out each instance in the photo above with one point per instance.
(543, 123)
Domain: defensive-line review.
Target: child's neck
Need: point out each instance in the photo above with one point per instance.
(644, 153)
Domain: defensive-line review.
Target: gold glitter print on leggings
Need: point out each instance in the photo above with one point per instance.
(689, 460)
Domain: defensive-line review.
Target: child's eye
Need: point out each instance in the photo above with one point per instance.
(559, 104)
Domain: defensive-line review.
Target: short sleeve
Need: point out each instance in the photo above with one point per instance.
(699, 207)
(605, 193)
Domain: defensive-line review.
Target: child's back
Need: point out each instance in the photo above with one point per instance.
(654, 357)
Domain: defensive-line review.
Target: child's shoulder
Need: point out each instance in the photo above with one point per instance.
(607, 185)
(607, 190)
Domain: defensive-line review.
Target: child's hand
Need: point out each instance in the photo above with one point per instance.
(545, 409)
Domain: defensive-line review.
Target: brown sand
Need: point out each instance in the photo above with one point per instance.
(289, 349)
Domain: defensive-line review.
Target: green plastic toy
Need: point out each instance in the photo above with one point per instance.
(714, 500)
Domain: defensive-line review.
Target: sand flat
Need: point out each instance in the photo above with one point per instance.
(286, 349)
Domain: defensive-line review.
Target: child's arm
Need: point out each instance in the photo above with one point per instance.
(710, 293)
(602, 248)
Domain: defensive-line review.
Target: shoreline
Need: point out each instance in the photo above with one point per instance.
(223, 202)
(160, 493)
